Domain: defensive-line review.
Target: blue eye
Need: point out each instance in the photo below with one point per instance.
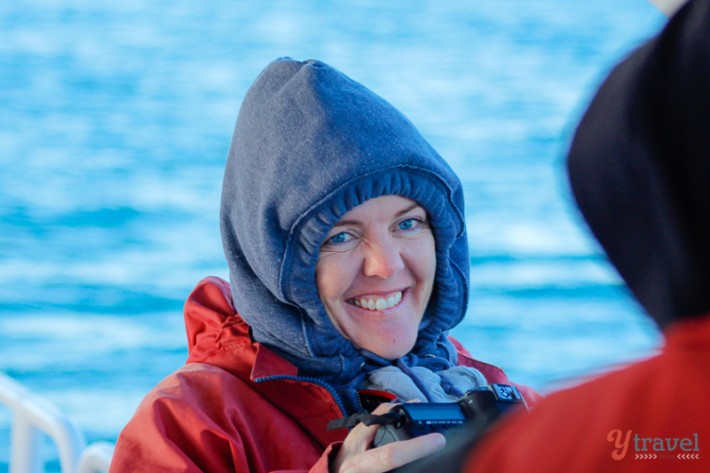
(338, 238)
(408, 224)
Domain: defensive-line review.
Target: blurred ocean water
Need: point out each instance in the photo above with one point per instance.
(116, 117)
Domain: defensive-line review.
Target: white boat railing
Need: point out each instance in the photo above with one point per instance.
(96, 458)
(34, 418)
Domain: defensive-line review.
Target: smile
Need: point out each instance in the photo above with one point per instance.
(378, 303)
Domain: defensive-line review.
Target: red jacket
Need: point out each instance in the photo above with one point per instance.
(650, 417)
(211, 415)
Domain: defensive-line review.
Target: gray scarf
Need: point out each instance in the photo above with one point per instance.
(420, 383)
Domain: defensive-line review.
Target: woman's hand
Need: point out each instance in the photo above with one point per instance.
(356, 456)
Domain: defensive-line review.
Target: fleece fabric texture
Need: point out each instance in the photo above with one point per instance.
(309, 145)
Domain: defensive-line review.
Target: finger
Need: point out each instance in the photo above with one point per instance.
(384, 408)
(414, 449)
(394, 455)
(362, 436)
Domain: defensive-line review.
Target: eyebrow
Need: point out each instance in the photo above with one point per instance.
(406, 210)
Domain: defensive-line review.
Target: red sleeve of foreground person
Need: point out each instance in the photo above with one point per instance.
(649, 417)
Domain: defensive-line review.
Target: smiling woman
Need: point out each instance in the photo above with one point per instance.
(345, 238)
(375, 274)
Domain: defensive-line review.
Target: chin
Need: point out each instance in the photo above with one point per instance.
(391, 351)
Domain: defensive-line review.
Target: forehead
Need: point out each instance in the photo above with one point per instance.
(379, 207)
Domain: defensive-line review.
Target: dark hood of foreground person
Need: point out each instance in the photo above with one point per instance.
(639, 167)
(309, 145)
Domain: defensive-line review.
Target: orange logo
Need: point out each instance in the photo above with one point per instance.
(652, 448)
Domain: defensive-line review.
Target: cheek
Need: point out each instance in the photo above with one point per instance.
(424, 261)
(332, 282)
(323, 279)
(332, 278)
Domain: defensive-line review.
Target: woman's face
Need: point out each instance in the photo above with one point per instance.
(375, 274)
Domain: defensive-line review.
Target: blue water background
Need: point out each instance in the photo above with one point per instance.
(116, 117)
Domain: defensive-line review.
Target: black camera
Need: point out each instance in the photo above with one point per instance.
(483, 405)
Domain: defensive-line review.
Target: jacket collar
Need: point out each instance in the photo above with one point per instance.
(218, 336)
(268, 365)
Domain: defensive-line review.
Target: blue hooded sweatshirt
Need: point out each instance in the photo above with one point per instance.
(309, 145)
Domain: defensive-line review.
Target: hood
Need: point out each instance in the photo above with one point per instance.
(309, 145)
(639, 167)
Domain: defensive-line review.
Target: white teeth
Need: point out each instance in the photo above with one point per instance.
(379, 303)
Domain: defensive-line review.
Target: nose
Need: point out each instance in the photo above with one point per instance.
(382, 258)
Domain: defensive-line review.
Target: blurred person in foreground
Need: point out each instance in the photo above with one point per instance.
(639, 168)
(346, 243)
